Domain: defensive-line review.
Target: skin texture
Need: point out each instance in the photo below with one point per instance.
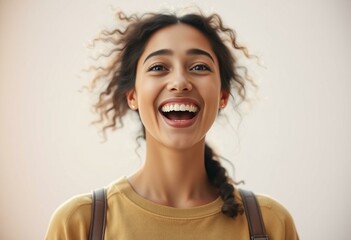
(174, 173)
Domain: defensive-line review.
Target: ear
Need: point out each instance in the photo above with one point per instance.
(132, 99)
(224, 99)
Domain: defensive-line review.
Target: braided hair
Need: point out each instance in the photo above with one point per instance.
(217, 175)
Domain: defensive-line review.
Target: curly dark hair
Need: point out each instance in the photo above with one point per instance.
(128, 42)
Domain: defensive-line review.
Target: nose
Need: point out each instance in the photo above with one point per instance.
(179, 83)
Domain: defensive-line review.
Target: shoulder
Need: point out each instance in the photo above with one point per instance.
(71, 218)
(277, 219)
(73, 208)
(272, 208)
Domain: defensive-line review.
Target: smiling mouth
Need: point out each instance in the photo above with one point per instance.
(179, 111)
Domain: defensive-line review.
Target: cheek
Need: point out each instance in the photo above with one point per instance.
(211, 91)
(148, 91)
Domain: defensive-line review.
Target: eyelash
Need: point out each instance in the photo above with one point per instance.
(204, 67)
(153, 68)
(160, 67)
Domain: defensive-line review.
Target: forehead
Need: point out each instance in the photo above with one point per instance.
(178, 38)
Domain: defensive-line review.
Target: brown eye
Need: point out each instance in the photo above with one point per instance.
(200, 67)
(157, 68)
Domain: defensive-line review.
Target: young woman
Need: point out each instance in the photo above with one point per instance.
(177, 73)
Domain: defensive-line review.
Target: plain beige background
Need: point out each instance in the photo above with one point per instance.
(294, 144)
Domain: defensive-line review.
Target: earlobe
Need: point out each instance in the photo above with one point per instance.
(132, 99)
(224, 99)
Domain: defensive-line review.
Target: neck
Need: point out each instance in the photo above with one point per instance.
(174, 177)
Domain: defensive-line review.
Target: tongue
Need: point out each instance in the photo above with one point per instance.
(179, 115)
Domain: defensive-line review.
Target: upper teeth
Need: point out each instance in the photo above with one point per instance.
(179, 107)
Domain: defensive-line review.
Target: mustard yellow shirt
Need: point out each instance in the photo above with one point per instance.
(130, 217)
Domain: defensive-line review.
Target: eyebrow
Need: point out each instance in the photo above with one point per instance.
(192, 51)
(196, 51)
(158, 53)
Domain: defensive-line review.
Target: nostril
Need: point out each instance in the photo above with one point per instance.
(180, 89)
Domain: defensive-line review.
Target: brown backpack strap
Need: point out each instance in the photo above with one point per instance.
(98, 215)
(253, 215)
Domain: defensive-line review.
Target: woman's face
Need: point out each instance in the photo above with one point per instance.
(178, 88)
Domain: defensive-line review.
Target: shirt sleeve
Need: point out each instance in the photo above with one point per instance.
(278, 221)
(71, 220)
